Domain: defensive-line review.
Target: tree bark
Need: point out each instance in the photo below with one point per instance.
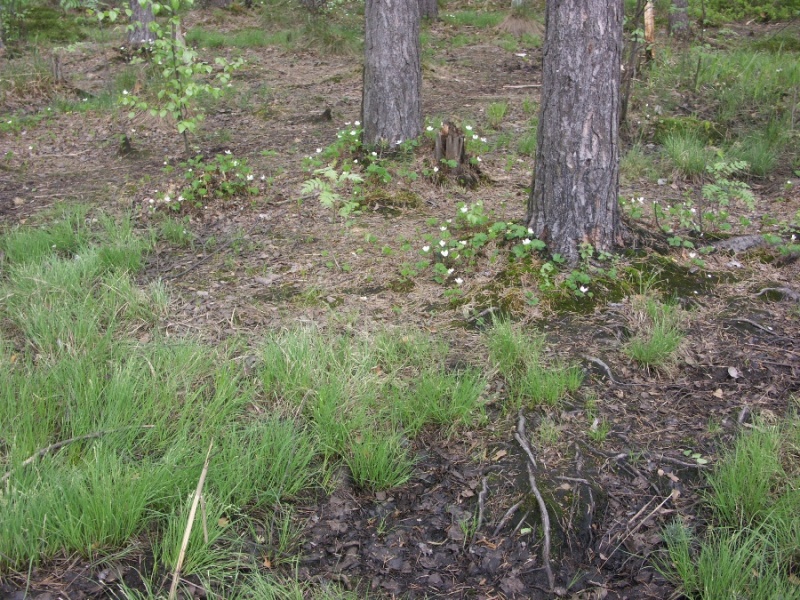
(142, 16)
(429, 9)
(679, 19)
(576, 178)
(391, 106)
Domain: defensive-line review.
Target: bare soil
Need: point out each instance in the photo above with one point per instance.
(264, 262)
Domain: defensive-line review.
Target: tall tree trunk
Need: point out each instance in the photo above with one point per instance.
(429, 9)
(391, 106)
(679, 19)
(576, 178)
(140, 35)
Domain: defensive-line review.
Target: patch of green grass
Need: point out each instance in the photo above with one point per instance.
(636, 165)
(176, 232)
(244, 38)
(530, 107)
(751, 548)
(659, 334)
(688, 154)
(508, 42)
(378, 459)
(761, 149)
(461, 40)
(440, 398)
(528, 141)
(787, 40)
(599, 430)
(495, 113)
(473, 18)
(268, 461)
(25, 77)
(518, 356)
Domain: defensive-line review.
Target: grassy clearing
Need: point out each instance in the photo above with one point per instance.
(84, 364)
(751, 550)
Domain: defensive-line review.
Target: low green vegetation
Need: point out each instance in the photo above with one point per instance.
(658, 333)
(106, 420)
(518, 356)
(750, 548)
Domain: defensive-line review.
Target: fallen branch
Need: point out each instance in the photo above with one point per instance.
(522, 87)
(509, 513)
(607, 370)
(482, 503)
(521, 438)
(756, 325)
(58, 445)
(787, 292)
(173, 589)
(673, 495)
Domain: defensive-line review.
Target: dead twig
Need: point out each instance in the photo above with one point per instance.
(521, 438)
(673, 495)
(58, 445)
(607, 370)
(754, 324)
(509, 513)
(176, 575)
(482, 503)
(787, 292)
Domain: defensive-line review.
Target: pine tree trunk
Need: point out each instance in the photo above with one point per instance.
(429, 9)
(576, 177)
(141, 18)
(679, 19)
(391, 103)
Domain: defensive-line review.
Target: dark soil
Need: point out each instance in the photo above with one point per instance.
(263, 262)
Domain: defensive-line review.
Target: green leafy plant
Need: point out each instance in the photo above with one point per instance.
(180, 71)
(328, 187)
(222, 177)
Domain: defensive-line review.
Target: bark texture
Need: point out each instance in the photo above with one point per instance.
(576, 178)
(141, 18)
(391, 104)
(679, 19)
(429, 9)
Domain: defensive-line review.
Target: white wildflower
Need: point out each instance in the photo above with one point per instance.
(426, 248)
(464, 209)
(445, 253)
(525, 242)
(583, 289)
(459, 281)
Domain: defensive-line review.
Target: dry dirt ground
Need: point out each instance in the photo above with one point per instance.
(270, 261)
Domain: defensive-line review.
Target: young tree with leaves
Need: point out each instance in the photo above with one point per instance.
(573, 199)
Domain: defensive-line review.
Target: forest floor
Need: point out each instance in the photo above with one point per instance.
(272, 260)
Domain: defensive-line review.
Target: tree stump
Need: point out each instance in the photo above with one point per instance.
(451, 157)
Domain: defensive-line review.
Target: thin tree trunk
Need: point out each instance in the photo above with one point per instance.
(576, 179)
(391, 105)
(141, 35)
(679, 19)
